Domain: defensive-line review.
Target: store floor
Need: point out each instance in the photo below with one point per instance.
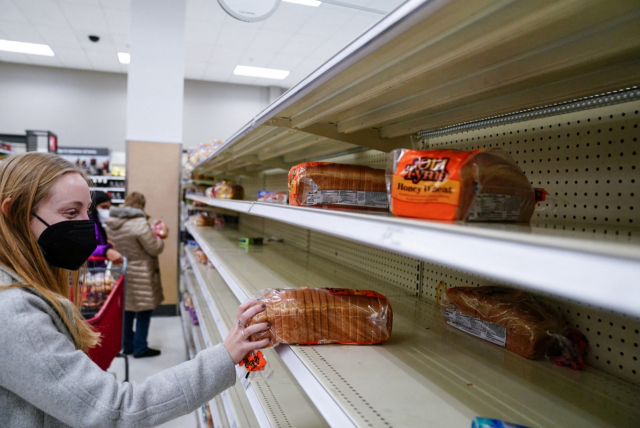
(165, 333)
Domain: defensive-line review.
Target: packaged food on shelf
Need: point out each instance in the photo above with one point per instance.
(273, 197)
(243, 240)
(256, 365)
(160, 229)
(516, 320)
(225, 190)
(315, 316)
(200, 256)
(206, 219)
(477, 185)
(187, 302)
(338, 185)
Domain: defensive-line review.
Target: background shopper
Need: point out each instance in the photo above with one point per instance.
(100, 202)
(46, 377)
(130, 231)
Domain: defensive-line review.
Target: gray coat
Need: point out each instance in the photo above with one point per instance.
(46, 382)
(129, 230)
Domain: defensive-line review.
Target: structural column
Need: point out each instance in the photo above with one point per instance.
(155, 89)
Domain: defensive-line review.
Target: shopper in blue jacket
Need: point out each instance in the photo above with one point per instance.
(46, 377)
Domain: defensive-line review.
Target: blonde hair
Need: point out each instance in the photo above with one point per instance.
(135, 200)
(27, 180)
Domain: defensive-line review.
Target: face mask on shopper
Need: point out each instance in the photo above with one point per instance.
(68, 244)
(103, 215)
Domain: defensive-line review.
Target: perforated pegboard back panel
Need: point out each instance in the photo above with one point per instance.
(372, 158)
(401, 271)
(588, 159)
(276, 181)
(291, 235)
(614, 339)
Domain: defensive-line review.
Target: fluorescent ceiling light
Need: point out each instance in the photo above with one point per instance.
(124, 57)
(313, 3)
(267, 73)
(27, 48)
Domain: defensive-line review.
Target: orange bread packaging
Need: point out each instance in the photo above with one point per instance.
(315, 316)
(338, 185)
(477, 185)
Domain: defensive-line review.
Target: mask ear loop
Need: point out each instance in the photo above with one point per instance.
(38, 217)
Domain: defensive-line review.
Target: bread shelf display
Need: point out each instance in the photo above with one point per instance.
(281, 392)
(431, 372)
(587, 270)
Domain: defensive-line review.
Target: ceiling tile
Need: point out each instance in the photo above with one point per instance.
(198, 52)
(198, 31)
(290, 16)
(236, 37)
(256, 59)
(327, 22)
(43, 12)
(10, 12)
(118, 20)
(268, 41)
(20, 32)
(116, 4)
(301, 44)
(105, 61)
(74, 58)
(206, 10)
(225, 55)
(105, 44)
(58, 37)
(285, 62)
(96, 3)
(120, 41)
(218, 73)
(89, 19)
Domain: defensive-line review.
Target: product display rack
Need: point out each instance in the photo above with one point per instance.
(552, 84)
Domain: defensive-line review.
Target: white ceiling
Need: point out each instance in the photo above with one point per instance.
(296, 38)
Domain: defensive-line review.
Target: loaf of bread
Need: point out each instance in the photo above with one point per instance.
(335, 184)
(478, 185)
(324, 315)
(532, 327)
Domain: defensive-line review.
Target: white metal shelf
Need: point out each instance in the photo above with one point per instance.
(117, 201)
(279, 401)
(594, 270)
(427, 371)
(237, 410)
(436, 63)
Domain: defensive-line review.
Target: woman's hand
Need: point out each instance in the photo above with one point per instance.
(113, 256)
(237, 343)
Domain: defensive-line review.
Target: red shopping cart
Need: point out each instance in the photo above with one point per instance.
(103, 295)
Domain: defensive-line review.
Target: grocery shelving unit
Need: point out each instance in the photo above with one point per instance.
(105, 179)
(552, 84)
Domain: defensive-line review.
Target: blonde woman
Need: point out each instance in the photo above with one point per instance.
(131, 233)
(46, 377)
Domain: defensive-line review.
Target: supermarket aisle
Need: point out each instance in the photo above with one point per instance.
(165, 334)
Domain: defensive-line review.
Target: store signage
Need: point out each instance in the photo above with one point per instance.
(250, 10)
(83, 151)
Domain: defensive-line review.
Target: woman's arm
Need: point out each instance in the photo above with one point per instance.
(41, 365)
(152, 244)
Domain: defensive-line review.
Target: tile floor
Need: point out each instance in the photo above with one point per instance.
(165, 333)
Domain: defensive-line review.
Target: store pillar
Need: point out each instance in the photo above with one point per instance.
(154, 120)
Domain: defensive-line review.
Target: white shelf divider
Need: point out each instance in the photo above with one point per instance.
(596, 272)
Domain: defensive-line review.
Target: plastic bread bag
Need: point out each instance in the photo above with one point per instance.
(315, 316)
(455, 185)
(324, 184)
(516, 320)
(256, 366)
(228, 190)
(160, 229)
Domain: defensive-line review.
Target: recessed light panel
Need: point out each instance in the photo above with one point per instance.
(124, 57)
(313, 3)
(267, 73)
(26, 48)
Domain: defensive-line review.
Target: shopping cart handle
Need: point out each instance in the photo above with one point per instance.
(97, 259)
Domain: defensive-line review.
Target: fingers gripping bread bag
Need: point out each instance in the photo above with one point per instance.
(335, 184)
(315, 316)
(514, 319)
(478, 185)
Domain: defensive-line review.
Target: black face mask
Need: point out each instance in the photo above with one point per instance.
(68, 244)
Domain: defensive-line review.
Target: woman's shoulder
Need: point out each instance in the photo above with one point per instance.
(17, 301)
